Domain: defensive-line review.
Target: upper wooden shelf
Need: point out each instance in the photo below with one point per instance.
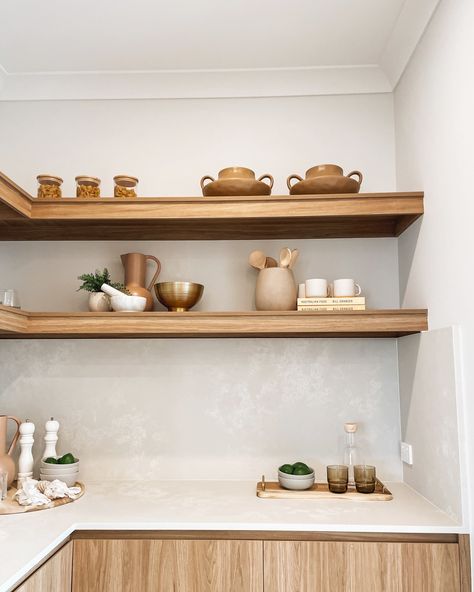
(369, 323)
(23, 217)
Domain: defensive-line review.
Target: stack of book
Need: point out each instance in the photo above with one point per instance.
(331, 304)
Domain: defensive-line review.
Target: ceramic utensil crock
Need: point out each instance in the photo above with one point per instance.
(135, 275)
(7, 463)
(276, 289)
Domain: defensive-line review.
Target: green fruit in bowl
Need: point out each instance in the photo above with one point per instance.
(298, 465)
(51, 460)
(302, 470)
(286, 469)
(67, 459)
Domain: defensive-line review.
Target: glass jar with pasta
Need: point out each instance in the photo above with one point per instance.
(87, 187)
(125, 186)
(49, 187)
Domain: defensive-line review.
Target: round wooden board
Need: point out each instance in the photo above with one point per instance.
(10, 506)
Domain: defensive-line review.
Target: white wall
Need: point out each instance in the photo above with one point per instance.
(215, 408)
(434, 123)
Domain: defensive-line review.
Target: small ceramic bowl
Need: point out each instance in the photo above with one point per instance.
(125, 303)
(59, 473)
(69, 480)
(296, 482)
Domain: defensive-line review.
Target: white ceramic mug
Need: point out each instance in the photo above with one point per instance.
(316, 288)
(345, 288)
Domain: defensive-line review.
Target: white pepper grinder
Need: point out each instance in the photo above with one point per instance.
(50, 438)
(26, 461)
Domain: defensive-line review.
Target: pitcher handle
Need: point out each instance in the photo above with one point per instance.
(269, 177)
(157, 272)
(358, 173)
(17, 433)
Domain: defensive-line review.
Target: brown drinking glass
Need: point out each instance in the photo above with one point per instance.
(338, 476)
(364, 477)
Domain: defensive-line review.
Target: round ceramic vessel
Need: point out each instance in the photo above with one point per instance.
(296, 482)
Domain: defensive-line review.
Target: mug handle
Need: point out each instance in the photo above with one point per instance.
(359, 174)
(157, 272)
(288, 181)
(205, 178)
(358, 291)
(17, 433)
(269, 177)
(330, 290)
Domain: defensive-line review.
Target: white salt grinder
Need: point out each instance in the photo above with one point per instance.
(25, 462)
(50, 438)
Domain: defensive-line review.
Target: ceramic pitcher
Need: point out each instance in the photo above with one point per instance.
(135, 275)
(276, 289)
(6, 461)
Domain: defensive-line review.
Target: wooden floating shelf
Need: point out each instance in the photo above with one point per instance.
(23, 217)
(369, 323)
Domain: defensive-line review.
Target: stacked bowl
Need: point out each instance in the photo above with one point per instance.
(68, 473)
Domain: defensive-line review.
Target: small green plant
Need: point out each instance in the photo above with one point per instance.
(92, 282)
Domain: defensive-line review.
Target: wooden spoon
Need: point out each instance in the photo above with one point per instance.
(270, 262)
(294, 257)
(285, 257)
(257, 259)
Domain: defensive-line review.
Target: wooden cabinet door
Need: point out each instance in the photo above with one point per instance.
(167, 566)
(294, 566)
(405, 567)
(53, 576)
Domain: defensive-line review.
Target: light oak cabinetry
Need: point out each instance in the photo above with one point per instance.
(53, 576)
(305, 566)
(167, 565)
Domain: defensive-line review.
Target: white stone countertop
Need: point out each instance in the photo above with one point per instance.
(26, 539)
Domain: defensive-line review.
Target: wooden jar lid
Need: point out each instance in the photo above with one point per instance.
(49, 180)
(125, 181)
(84, 180)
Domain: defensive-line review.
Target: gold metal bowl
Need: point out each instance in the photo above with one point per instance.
(179, 296)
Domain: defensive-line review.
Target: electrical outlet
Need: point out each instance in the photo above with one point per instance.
(406, 453)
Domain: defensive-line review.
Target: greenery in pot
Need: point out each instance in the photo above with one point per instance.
(92, 282)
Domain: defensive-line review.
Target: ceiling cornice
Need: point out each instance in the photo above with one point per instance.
(405, 36)
(240, 83)
(195, 83)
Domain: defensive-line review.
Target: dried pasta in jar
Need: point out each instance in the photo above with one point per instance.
(49, 187)
(87, 187)
(125, 186)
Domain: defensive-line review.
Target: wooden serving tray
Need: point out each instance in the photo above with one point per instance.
(11, 506)
(273, 490)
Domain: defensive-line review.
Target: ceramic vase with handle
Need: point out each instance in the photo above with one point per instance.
(6, 461)
(135, 275)
(276, 289)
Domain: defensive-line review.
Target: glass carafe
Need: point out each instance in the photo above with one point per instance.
(352, 455)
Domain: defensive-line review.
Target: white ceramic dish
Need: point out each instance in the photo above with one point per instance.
(296, 482)
(58, 473)
(69, 480)
(125, 303)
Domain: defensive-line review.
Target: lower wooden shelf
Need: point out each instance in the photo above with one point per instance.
(20, 324)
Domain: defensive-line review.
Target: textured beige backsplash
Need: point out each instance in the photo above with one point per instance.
(227, 409)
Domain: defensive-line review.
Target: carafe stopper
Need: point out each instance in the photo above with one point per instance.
(350, 428)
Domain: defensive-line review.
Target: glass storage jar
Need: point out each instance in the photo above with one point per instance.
(125, 186)
(87, 186)
(49, 187)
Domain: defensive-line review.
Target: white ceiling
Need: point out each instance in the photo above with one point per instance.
(310, 45)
